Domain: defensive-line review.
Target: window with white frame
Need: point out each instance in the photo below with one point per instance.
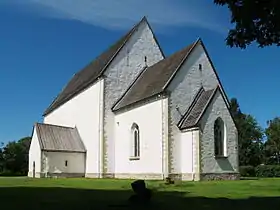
(220, 137)
(135, 140)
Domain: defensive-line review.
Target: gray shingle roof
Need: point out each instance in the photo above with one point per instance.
(91, 72)
(153, 79)
(196, 109)
(59, 138)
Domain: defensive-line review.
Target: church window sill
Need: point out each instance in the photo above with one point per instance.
(134, 158)
(221, 156)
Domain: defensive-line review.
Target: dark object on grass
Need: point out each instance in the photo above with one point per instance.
(168, 181)
(142, 194)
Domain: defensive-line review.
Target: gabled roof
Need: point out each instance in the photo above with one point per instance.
(59, 138)
(91, 72)
(154, 79)
(196, 109)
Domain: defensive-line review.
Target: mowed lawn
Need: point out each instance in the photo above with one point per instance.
(54, 194)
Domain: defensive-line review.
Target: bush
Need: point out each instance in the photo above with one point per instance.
(247, 171)
(268, 171)
(9, 173)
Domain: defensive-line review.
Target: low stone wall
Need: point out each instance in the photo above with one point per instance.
(219, 176)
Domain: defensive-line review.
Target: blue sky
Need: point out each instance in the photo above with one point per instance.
(44, 42)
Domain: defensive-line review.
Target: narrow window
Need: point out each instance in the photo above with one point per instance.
(200, 73)
(219, 137)
(145, 59)
(200, 67)
(127, 57)
(66, 163)
(135, 140)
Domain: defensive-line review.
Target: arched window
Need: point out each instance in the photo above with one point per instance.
(135, 134)
(219, 137)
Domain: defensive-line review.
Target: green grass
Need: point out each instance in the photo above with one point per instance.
(51, 194)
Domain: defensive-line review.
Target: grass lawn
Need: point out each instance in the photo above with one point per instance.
(52, 194)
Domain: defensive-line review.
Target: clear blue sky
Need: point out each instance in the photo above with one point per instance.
(44, 42)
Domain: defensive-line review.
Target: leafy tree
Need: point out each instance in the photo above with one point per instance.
(255, 20)
(250, 136)
(15, 155)
(272, 145)
(1, 158)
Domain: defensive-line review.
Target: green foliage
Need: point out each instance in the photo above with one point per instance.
(14, 157)
(247, 171)
(250, 136)
(268, 171)
(254, 20)
(272, 145)
(264, 171)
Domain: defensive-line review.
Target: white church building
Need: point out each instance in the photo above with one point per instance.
(133, 113)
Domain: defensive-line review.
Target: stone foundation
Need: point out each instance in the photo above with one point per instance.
(219, 176)
(37, 174)
(182, 177)
(108, 175)
(151, 176)
(155, 176)
(93, 175)
(62, 175)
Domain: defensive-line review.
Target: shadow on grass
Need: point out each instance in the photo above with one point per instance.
(67, 198)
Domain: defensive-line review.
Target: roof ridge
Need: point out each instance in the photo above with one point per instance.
(205, 106)
(208, 102)
(60, 126)
(195, 99)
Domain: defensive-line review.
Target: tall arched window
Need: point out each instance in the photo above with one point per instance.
(135, 134)
(219, 137)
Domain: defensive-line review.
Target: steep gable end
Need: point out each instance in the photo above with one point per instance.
(156, 79)
(91, 72)
(216, 74)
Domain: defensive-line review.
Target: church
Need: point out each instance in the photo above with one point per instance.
(134, 113)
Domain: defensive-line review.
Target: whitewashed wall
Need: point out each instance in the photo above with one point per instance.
(55, 162)
(129, 62)
(34, 155)
(83, 111)
(149, 119)
(187, 140)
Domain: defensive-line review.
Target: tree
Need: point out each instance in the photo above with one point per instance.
(272, 145)
(255, 20)
(250, 136)
(15, 155)
(1, 158)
